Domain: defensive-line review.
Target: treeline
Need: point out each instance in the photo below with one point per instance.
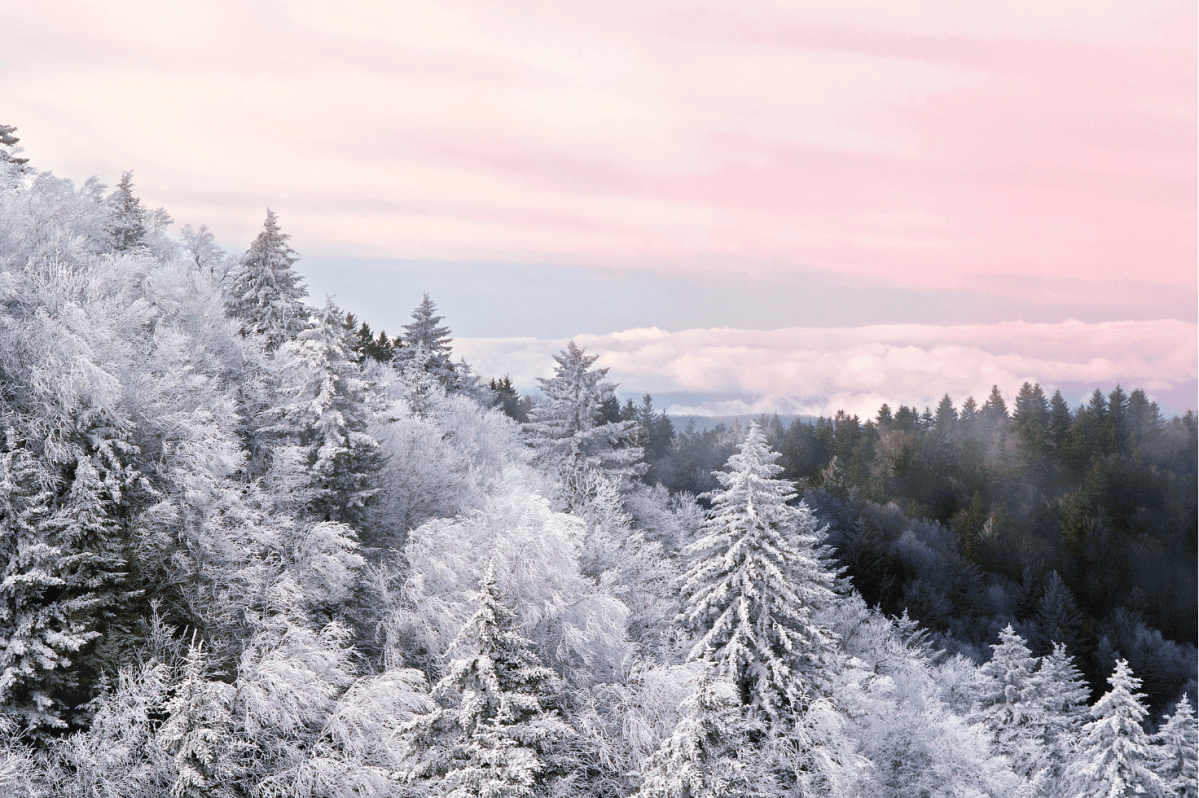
(1076, 525)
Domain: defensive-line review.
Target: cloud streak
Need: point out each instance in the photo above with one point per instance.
(932, 143)
(822, 370)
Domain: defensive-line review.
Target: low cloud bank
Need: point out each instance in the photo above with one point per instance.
(818, 371)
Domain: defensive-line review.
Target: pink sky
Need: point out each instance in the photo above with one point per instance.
(933, 145)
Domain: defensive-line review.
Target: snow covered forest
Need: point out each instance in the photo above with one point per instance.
(252, 548)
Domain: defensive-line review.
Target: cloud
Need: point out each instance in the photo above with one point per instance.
(926, 143)
(822, 370)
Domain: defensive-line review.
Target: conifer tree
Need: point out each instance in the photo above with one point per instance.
(496, 731)
(1058, 421)
(1009, 703)
(325, 412)
(709, 754)
(1114, 756)
(128, 227)
(425, 345)
(946, 416)
(569, 435)
(1178, 739)
(1058, 619)
(994, 409)
(199, 732)
(1062, 694)
(40, 630)
(266, 291)
(757, 577)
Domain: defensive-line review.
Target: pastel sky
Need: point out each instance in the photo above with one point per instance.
(784, 204)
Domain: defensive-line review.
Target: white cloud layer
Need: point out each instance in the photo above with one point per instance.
(819, 371)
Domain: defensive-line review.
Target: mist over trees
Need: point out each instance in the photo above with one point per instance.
(252, 547)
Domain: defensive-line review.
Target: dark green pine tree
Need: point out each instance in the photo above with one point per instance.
(266, 291)
(1031, 420)
(508, 400)
(994, 410)
(497, 730)
(1057, 423)
(946, 416)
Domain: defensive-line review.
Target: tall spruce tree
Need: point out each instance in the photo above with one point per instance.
(757, 577)
(1178, 741)
(1009, 703)
(266, 292)
(1115, 756)
(41, 630)
(128, 227)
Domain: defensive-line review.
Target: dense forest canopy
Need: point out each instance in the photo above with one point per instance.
(251, 547)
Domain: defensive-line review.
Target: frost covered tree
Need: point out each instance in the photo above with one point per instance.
(266, 291)
(425, 346)
(496, 731)
(1178, 741)
(757, 578)
(324, 411)
(1115, 756)
(1008, 701)
(1062, 694)
(569, 434)
(709, 754)
(128, 227)
(63, 580)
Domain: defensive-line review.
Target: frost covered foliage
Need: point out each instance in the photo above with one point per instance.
(578, 628)
(1114, 756)
(708, 755)
(569, 434)
(496, 729)
(756, 580)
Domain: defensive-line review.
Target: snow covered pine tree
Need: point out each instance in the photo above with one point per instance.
(569, 435)
(756, 579)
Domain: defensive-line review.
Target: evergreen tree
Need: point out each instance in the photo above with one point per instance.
(568, 433)
(1178, 739)
(496, 731)
(946, 416)
(1062, 694)
(325, 413)
(994, 410)
(513, 405)
(41, 630)
(1009, 703)
(128, 227)
(199, 732)
(9, 147)
(709, 754)
(1058, 421)
(94, 570)
(757, 578)
(1058, 619)
(425, 345)
(970, 411)
(266, 292)
(1114, 756)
